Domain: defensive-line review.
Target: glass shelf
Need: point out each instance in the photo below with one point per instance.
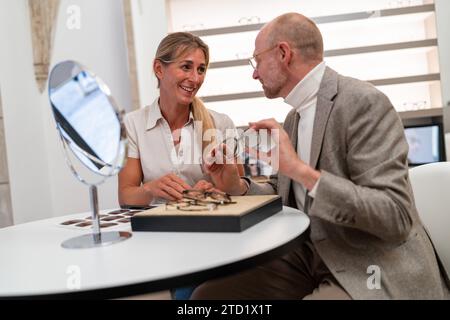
(246, 110)
(384, 66)
(242, 111)
(419, 93)
(364, 34)
(392, 44)
(242, 57)
(252, 14)
(427, 113)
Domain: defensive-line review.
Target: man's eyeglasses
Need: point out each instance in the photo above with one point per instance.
(252, 60)
(199, 200)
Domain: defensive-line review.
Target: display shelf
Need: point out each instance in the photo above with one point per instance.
(404, 63)
(393, 48)
(245, 110)
(377, 82)
(324, 19)
(346, 51)
(366, 36)
(427, 113)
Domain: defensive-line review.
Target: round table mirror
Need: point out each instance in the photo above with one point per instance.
(89, 123)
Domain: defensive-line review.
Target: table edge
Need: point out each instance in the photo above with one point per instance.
(171, 282)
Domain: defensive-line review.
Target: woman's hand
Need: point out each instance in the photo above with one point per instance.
(203, 185)
(224, 171)
(169, 187)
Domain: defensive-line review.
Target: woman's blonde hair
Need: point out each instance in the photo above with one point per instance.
(174, 46)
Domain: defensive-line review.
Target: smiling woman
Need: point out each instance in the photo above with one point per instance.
(166, 142)
(166, 138)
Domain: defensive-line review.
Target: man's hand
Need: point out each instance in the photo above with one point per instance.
(283, 156)
(169, 187)
(224, 171)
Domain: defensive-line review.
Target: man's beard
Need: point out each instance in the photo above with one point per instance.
(275, 83)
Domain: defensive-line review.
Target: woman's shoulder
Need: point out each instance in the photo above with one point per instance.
(139, 116)
(138, 113)
(221, 120)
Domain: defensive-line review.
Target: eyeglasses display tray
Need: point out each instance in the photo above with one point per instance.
(234, 216)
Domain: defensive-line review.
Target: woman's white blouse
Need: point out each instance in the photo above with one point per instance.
(150, 140)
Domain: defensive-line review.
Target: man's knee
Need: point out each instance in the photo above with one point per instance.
(206, 291)
(199, 293)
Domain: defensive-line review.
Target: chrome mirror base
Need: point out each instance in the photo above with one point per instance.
(96, 240)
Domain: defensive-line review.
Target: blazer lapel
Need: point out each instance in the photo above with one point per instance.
(325, 96)
(291, 127)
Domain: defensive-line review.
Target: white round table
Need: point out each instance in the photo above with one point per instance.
(34, 265)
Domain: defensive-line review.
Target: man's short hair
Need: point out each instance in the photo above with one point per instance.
(300, 32)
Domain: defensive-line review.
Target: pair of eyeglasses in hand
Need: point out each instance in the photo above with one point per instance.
(199, 200)
(250, 141)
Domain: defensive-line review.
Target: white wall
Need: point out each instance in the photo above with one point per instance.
(443, 33)
(150, 26)
(41, 183)
(23, 109)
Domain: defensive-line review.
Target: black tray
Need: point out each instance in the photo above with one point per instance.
(157, 220)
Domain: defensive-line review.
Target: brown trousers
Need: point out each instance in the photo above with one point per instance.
(300, 274)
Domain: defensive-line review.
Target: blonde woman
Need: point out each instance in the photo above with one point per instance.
(165, 153)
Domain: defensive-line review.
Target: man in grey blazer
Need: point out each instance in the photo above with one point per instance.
(342, 160)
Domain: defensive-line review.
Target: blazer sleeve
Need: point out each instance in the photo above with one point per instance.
(376, 196)
(255, 188)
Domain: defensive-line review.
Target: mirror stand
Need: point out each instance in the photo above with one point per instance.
(96, 238)
(90, 125)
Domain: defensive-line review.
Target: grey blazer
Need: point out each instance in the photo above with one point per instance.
(363, 215)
